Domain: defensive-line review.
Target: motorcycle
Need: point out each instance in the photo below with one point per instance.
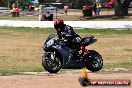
(60, 54)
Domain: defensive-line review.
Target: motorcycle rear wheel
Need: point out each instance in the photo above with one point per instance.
(94, 61)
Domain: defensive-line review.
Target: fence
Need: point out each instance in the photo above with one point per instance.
(76, 24)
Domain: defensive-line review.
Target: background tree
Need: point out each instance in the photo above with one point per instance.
(78, 4)
(65, 2)
(121, 7)
(46, 1)
(72, 3)
(3, 3)
(23, 3)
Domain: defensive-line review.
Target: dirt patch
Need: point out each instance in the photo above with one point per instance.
(60, 80)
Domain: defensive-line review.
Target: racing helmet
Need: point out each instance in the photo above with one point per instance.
(58, 24)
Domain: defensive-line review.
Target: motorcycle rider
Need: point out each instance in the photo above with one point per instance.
(66, 32)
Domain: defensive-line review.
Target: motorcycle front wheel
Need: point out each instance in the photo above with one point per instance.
(94, 61)
(52, 64)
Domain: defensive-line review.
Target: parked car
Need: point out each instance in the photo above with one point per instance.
(47, 7)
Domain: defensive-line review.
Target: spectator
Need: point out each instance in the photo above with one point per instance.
(30, 8)
(94, 9)
(48, 16)
(13, 12)
(98, 8)
(27, 8)
(17, 12)
(66, 9)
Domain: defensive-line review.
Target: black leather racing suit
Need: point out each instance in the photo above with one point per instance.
(68, 33)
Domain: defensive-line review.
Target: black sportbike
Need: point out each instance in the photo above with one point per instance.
(60, 54)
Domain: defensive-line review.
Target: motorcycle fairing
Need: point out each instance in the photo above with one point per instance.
(68, 57)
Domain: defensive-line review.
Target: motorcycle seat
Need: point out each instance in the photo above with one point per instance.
(88, 40)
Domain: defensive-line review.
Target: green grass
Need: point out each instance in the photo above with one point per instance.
(21, 48)
(129, 50)
(20, 70)
(27, 29)
(126, 65)
(51, 30)
(104, 31)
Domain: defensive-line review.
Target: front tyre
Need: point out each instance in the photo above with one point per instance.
(51, 62)
(94, 61)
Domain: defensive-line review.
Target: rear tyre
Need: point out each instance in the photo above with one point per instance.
(94, 61)
(51, 65)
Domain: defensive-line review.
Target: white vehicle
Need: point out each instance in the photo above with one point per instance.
(47, 7)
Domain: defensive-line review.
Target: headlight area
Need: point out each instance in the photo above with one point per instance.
(50, 42)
